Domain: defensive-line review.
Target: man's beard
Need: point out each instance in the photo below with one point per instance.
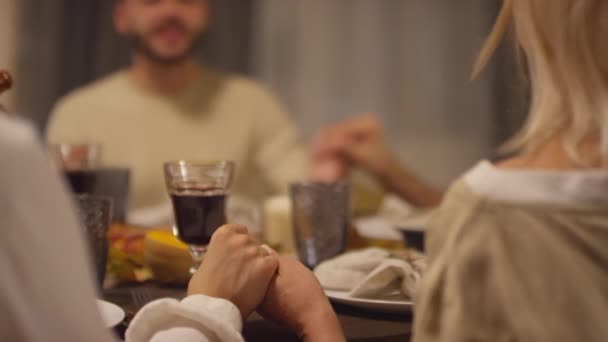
(140, 45)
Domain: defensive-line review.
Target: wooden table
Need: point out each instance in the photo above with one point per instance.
(358, 325)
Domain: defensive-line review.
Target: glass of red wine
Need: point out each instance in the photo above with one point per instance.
(76, 156)
(198, 191)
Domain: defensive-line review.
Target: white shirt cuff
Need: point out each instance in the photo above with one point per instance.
(221, 308)
(214, 318)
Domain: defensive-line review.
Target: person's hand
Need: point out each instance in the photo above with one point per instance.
(235, 268)
(296, 300)
(6, 81)
(329, 168)
(359, 141)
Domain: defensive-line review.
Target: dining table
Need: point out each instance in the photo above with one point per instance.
(358, 324)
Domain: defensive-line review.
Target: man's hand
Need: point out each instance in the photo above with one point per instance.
(359, 141)
(235, 268)
(295, 299)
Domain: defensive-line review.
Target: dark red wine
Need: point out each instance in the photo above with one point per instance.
(109, 182)
(198, 214)
(82, 181)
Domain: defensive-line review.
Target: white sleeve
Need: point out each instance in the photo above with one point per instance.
(46, 284)
(195, 319)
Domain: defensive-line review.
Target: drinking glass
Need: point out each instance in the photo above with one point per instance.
(76, 156)
(112, 182)
(96, 216)
(320, 214)
(198, 192)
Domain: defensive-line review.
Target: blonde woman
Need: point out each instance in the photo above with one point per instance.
(519, 250)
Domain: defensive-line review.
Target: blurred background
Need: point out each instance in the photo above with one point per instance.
(409, 61)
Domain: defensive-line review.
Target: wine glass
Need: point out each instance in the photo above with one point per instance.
(76, 156)
(198, 192)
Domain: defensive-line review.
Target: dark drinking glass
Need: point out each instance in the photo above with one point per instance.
(76, 156)
(198, 213)
(198, 193)
(96, 215)
(110, 182)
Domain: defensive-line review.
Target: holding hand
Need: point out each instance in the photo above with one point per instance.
(235, 268)
(360, 142)
(296, 300)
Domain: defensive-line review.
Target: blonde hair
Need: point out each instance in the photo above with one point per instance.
(563, 42)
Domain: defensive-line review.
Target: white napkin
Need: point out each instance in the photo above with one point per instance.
(372, 273)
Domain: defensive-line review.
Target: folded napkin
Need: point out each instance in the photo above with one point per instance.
(372, 273)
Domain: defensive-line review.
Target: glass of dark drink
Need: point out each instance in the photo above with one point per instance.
(76, 156)
(198, 191)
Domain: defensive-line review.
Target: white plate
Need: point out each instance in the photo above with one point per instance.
(392, 306)
(376, 227)
(112, 314)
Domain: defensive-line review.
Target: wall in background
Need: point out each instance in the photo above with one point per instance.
(8, 41)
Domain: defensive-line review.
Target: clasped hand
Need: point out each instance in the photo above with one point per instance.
(254, 277)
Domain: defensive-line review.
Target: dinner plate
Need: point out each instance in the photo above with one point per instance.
(377, 228)
(112, 314)
(384, 305)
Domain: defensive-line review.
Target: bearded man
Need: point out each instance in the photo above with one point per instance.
(167, 106)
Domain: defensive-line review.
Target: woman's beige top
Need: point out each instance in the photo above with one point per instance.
(518, 256)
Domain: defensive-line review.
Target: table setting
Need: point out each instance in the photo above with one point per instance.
(373, 278)
(364, 264)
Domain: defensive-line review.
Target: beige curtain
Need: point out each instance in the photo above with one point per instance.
(407, 60)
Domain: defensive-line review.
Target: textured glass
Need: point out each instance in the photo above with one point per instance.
(320, 220)
(96, 215)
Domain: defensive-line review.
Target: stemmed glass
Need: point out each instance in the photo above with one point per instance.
(198, 191)
(71, 157)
